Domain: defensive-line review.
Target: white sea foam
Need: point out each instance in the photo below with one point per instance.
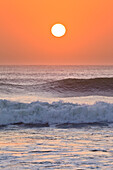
(55, 113)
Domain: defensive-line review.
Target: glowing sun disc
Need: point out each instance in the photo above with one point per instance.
(58, 30)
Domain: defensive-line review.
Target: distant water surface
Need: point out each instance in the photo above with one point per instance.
(55, 81)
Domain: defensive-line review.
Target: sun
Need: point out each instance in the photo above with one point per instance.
(58, 30)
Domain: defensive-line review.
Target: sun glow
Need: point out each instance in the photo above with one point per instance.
(58, 30)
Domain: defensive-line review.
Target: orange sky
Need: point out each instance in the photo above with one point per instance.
(25, 36)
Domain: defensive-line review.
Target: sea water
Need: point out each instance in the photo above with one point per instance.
(56, 117)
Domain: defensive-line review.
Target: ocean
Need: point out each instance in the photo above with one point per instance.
(56, 117)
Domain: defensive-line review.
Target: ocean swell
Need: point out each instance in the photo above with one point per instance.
(61, 88)
(55, 113)
(81, 87)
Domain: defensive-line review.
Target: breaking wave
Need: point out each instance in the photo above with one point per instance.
(44, 113)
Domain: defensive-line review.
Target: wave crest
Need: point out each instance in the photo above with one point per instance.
(55, 113)
(81, 87)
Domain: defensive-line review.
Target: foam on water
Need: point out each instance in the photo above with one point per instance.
(55, 113)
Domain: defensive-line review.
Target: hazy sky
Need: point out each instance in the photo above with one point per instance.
(25, 36)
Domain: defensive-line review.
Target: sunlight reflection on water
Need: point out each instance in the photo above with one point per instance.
(54, 148)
